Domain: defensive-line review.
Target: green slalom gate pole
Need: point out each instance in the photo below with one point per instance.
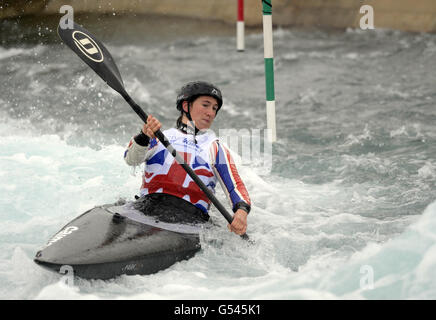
(269, 69)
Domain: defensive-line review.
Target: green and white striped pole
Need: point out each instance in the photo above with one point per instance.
(269, 69)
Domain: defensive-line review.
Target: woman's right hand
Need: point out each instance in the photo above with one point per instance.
(151, 126)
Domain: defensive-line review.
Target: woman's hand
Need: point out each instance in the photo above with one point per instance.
(239, 223)
(151, 126)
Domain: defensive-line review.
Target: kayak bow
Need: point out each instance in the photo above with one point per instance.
(108, 241)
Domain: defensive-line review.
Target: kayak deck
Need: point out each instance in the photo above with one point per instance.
(109, 241)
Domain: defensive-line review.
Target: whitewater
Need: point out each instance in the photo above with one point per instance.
(345, 210)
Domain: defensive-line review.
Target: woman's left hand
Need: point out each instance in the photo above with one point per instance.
(239, 223)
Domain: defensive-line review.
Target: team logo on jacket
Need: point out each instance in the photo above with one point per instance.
(88, 46)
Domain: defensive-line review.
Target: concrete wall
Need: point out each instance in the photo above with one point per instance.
(14, 8)
(406, 15)
(221, 10)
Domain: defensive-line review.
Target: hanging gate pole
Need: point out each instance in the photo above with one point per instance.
(240, 46)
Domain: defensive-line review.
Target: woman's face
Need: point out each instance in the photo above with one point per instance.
(203, 111)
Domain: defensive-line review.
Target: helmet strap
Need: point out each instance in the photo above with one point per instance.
(190, 128)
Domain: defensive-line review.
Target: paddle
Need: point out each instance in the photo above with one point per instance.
(95, 55)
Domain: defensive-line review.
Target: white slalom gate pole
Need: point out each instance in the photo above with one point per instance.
(269, 69)
(240, 26)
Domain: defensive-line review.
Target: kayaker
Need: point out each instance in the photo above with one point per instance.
(198, 103)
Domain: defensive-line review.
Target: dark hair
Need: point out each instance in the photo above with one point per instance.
(179, 120)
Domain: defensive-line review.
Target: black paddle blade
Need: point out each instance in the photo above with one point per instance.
(94, 53)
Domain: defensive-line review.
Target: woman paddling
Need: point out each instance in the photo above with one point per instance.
(165, 182)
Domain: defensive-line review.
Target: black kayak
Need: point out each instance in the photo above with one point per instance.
(111, 240)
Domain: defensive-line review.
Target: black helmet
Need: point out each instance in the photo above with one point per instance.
(198, 88)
